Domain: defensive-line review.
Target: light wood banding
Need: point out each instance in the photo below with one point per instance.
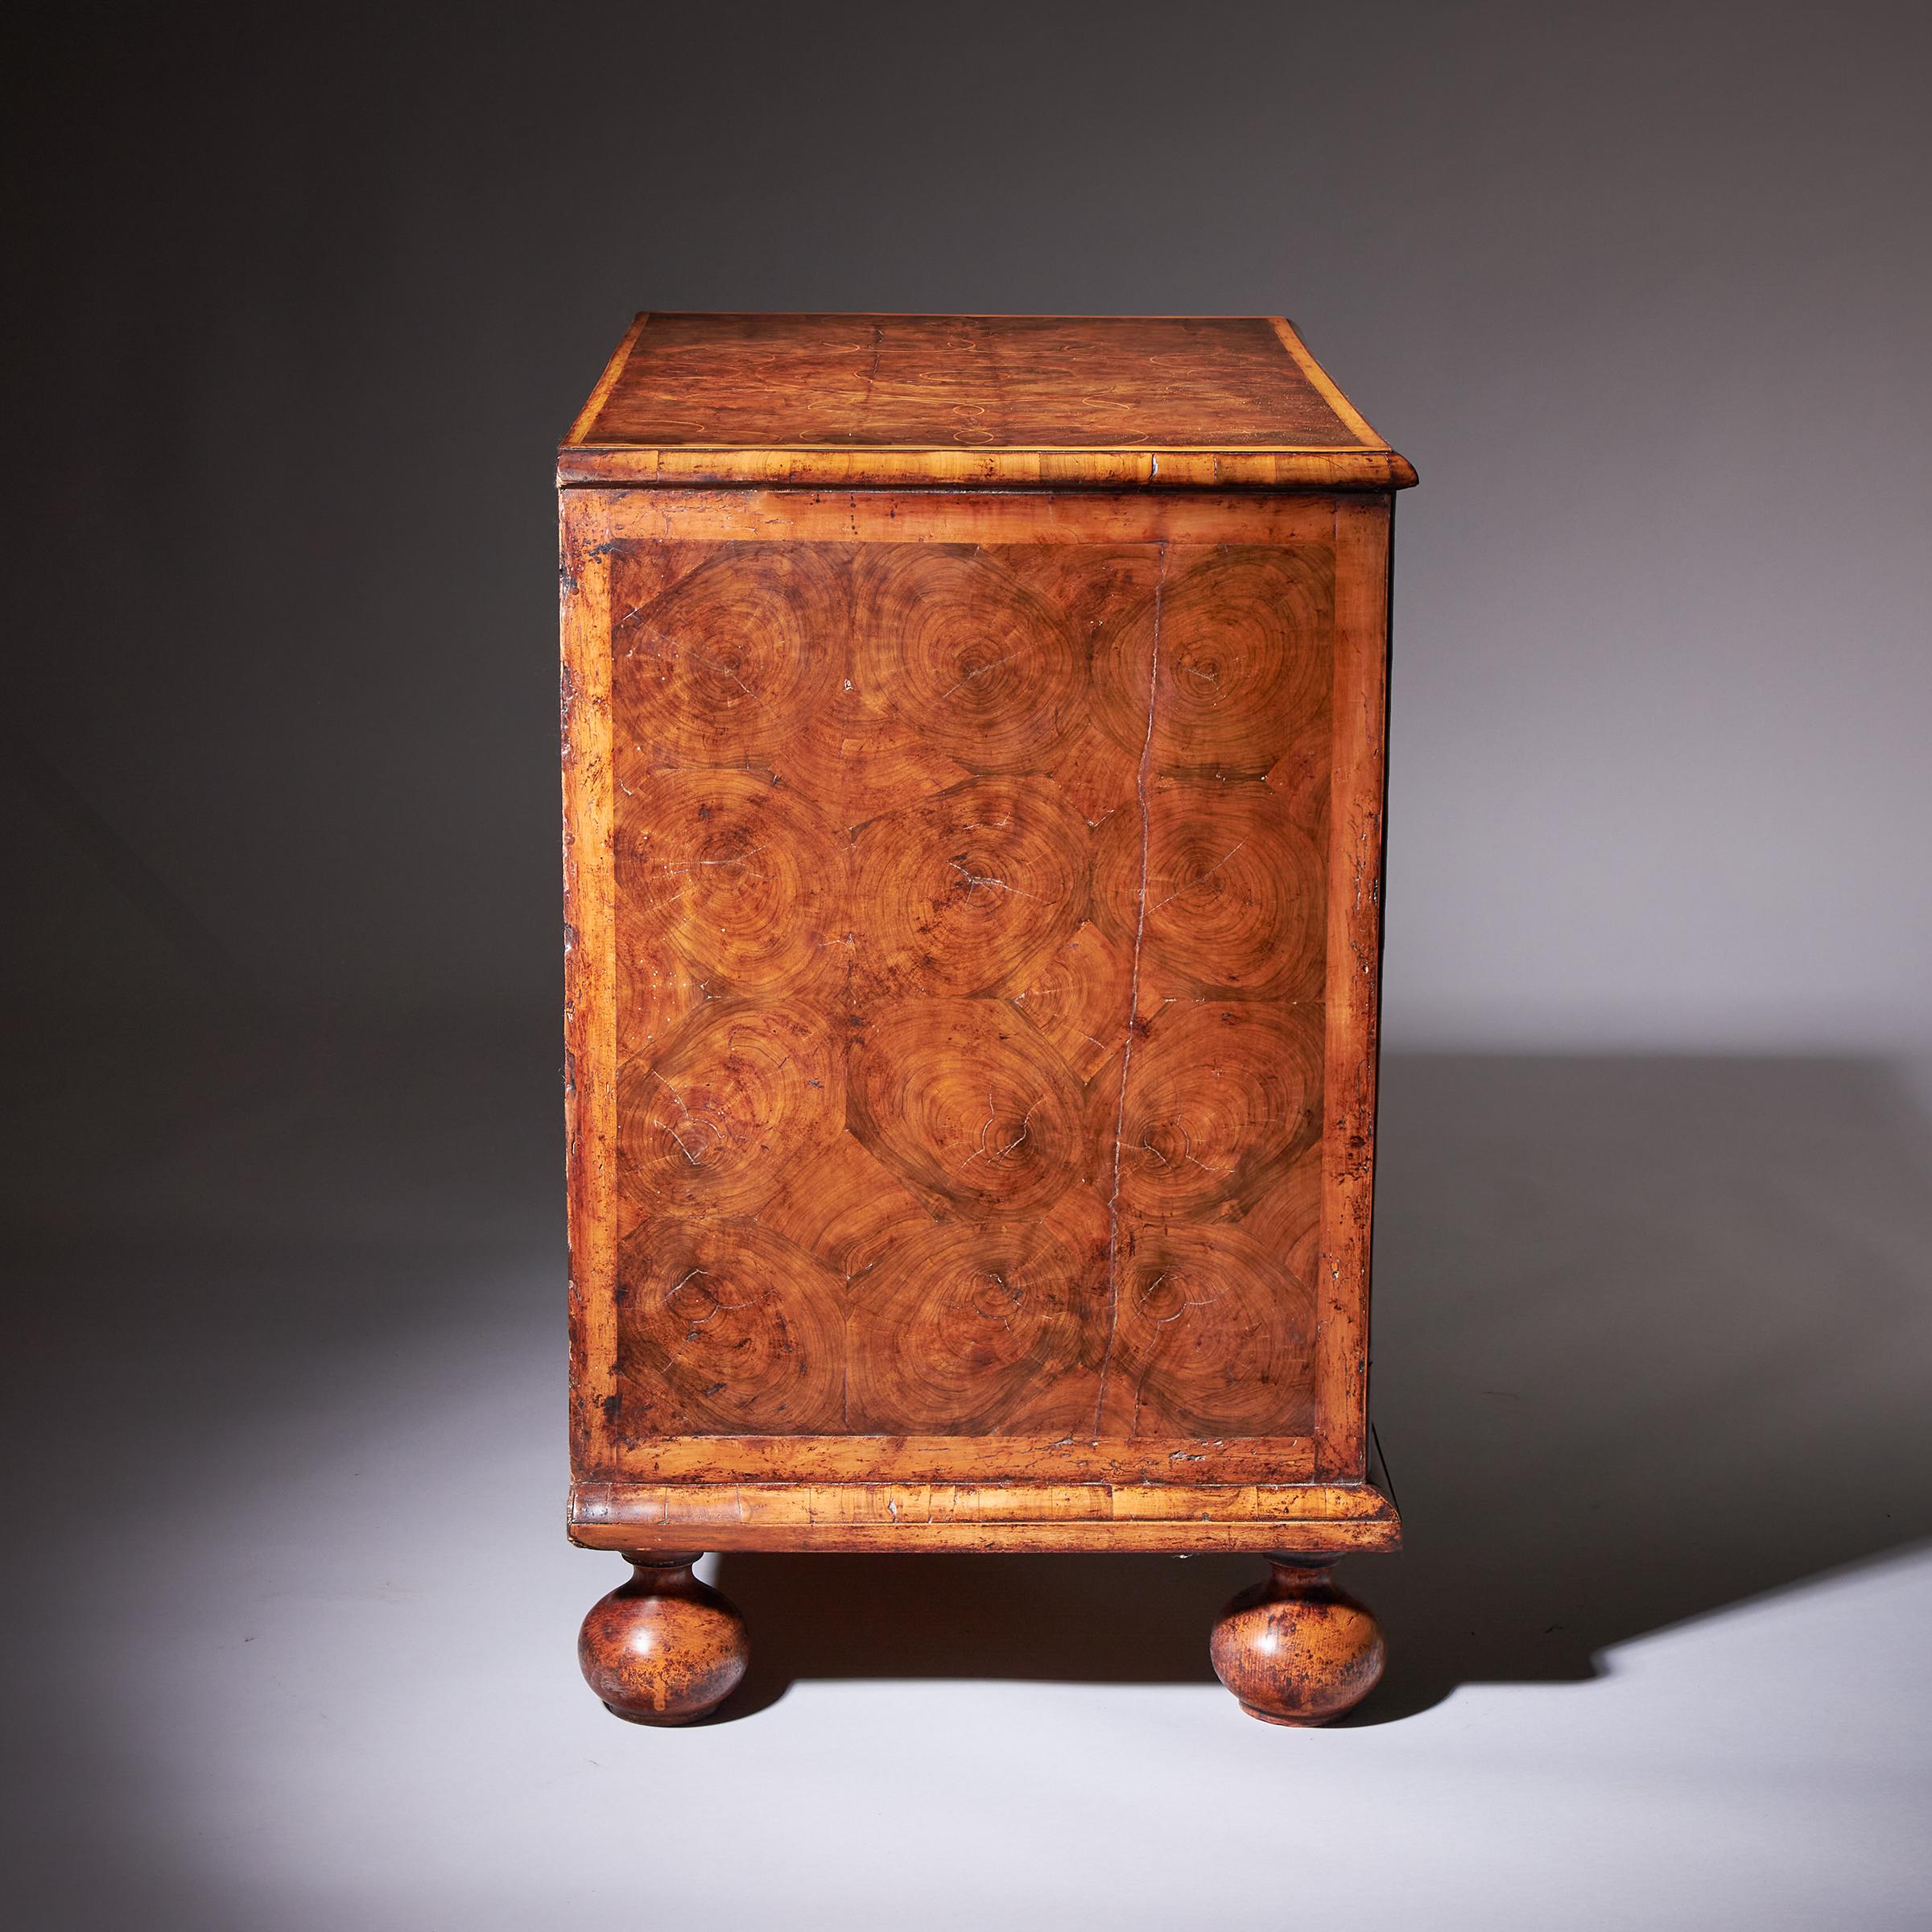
(1162, 1517)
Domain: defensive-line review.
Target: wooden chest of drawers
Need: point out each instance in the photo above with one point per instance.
(973, 745)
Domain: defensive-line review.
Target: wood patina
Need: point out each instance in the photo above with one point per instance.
(973, 749)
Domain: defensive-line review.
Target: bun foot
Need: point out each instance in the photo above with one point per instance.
(662, 1648)
(1295, 1649)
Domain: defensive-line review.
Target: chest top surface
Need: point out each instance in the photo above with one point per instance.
(1158, 401)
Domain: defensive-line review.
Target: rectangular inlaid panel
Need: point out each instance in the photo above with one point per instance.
(970, 929)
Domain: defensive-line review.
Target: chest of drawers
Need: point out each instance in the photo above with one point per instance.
(973, 736)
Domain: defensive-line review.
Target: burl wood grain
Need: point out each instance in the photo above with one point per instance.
(1296, 1650)
(973, 736)
(971, 903)
(663, 1648)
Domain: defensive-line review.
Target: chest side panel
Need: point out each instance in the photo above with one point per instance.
(971, 951)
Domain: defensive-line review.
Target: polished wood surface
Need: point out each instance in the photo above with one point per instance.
(1296, 1650)
(1172, 1517)
(970, 962)
(1162, 402)
(764, 382)
(973, 905)
(677, 963)
(663, 1648)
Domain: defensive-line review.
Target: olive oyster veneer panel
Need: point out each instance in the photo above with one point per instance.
(970, 915)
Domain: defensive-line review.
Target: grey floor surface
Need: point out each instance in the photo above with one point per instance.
(292, 1614)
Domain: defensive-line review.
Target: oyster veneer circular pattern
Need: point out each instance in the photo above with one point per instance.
(1212, 1337)
(898, 842)
(723, 1326)
(964, 1101)
(964, 891)
(986, 670)
(741, 877)
(1220, 1098)
(744, 1089)
(732, 662)
(1242, 662)
(974, 1322)
(1232, 895)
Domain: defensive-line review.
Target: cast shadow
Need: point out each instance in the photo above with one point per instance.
(1652, 1336)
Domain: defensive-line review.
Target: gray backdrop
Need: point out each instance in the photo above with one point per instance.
(305, 298)
(1641, 291)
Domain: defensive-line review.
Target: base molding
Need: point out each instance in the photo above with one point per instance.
(1311, 1518)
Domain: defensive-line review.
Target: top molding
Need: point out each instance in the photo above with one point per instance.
(1006, 402)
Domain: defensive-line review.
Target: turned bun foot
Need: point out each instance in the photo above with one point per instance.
(1295, 1649)
(662, 1648)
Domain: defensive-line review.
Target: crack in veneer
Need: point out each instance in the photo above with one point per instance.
(1133, 1001)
